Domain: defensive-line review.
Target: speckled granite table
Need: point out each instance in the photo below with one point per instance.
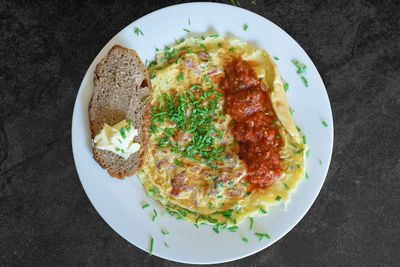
(46, 217)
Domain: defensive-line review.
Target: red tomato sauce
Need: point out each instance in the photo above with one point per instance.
(254, 128)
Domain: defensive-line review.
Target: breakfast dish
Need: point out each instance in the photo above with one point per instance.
(222, 144)
(137, 212)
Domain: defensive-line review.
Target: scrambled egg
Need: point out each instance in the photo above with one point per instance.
(198, 175)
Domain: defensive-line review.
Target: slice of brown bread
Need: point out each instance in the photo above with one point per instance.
(121, 84)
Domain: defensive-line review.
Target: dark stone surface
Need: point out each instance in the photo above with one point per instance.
(47, 219)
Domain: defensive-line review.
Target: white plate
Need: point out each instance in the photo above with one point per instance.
(119, 202)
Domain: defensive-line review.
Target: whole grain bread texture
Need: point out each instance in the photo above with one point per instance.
(121, 85)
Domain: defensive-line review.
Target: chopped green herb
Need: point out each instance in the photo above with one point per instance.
(277, 137)
(298, 129)
(307, 176)
(238, 3)
(117, 149)
(305, 81)
(195, 224)
(278, 198)
(304, 139)
(215, 35)
(217, 228)
(165, 233)
(178, 162)
(123, 133)
(233, 228)
(211, 206)
(286, 87)
(233, 2)
(276, 58)
(203, 46)
(251, 223)
(152, 75)
(308, 153)
(181, 77)
(244, 183)
(301, 68)
(262, 210)
(275, 124)
(145, 206)
(186, 30)
(320, 162)
(138, 31)
(151, 246)
(245, 27)
(286, 186)
(324, 123)
(165, 244)
(154, 216)
(253, 2)
(261, 236)
(244, 239)
(145, 100)
(291, 111)
(231, 49)
(189, 21)
(219, 44)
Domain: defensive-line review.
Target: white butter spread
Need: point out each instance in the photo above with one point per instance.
(118, 139)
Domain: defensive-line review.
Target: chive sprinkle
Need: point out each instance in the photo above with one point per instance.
(278, 198)
(138, 31)
(305, 81)
(189, 21)
(215, 35)
(251, 223)
(320, 162)
(178, 162)
(307, 176)
(286, 186)
(324, 123)
(181, 77)
(262, 210)
(261, 236)
(233, 2)
(286, 87)
(276, 58)
(123, 133)
(244, 239)
(211, 206)
(219, 44)
(165, 244)
(233, 228)
(186, 30)
(151, 246)
(155, 215)
(152, 75)
(245, 27)
(308, 153)
(298, 129)
(165, 233)
(253, 2)
(145, 206)
(231, 49)
(304, 139)
(195, 224)
(145, 100)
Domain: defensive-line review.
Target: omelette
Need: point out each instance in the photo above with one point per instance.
(223, 144)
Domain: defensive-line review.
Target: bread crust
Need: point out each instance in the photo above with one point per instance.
(97, 153)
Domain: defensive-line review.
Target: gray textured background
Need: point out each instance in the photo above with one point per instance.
(45, 216)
